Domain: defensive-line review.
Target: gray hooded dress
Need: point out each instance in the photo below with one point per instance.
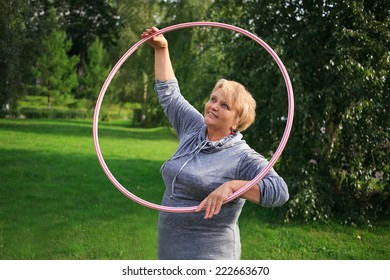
(197, 168)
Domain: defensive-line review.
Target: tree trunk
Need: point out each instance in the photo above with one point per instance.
(144, 99)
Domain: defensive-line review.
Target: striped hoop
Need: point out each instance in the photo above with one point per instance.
(246, 187)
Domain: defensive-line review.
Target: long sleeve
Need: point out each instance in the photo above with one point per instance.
(180, 113)
(273, 189)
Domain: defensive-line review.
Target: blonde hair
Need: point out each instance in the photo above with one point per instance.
(241, 100)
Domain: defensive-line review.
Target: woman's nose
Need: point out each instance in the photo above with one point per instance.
(214, 106)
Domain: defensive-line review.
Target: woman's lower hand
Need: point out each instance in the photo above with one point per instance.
(213, 202)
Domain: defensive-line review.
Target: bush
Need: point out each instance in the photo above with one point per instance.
(40, 113)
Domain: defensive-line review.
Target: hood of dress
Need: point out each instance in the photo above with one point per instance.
(225, 143)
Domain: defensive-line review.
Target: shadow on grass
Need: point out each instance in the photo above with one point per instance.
(78, 178)
(57, 207)
(84, 129)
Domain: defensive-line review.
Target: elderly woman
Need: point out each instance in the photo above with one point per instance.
(211, 162)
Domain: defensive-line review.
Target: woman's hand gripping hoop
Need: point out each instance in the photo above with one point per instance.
(246, 187)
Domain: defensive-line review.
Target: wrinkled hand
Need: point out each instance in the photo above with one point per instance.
(213, 202)
(157, 42)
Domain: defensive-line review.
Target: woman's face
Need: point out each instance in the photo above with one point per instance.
(219, 114)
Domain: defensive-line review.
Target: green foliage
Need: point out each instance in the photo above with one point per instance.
(336, 161)
(15, 52)
(95, 72)
(36, 113)
(358, 157)
(134, 81)
(195, 53)
(35, 107)
(85, 21)
(55, 70)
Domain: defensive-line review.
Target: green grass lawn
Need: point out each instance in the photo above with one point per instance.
(56, 202)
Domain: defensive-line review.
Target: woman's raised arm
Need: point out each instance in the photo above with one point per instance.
(163, 69)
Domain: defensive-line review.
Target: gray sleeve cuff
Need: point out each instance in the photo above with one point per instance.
(273, 192)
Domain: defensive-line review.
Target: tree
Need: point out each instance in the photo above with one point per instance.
(55, 70)
(84, 21)
(15, 52)
(26, 24)
(96, 71)
(135, 79)
(337, 56)
(196, 53)
(358, 135)
(185, 46)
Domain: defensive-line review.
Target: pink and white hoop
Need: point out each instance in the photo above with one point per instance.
(267, 168)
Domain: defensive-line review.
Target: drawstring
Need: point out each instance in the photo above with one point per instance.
(182, 155)
(195, 151)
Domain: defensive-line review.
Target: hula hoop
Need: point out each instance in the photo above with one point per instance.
(247, 186)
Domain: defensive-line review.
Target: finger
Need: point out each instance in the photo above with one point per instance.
(148, 31)
(209, 205)
(211, 209)
(201, 206)
(207, 210)
(218, 207)
(145, 33)
(214, 208)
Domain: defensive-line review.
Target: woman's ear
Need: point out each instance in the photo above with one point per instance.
(237, 122)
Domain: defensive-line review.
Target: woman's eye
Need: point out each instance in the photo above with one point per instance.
(225, 106)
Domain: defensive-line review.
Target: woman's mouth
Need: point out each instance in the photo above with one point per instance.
(212, 115)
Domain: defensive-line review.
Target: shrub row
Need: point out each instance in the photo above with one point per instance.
(44, 113)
